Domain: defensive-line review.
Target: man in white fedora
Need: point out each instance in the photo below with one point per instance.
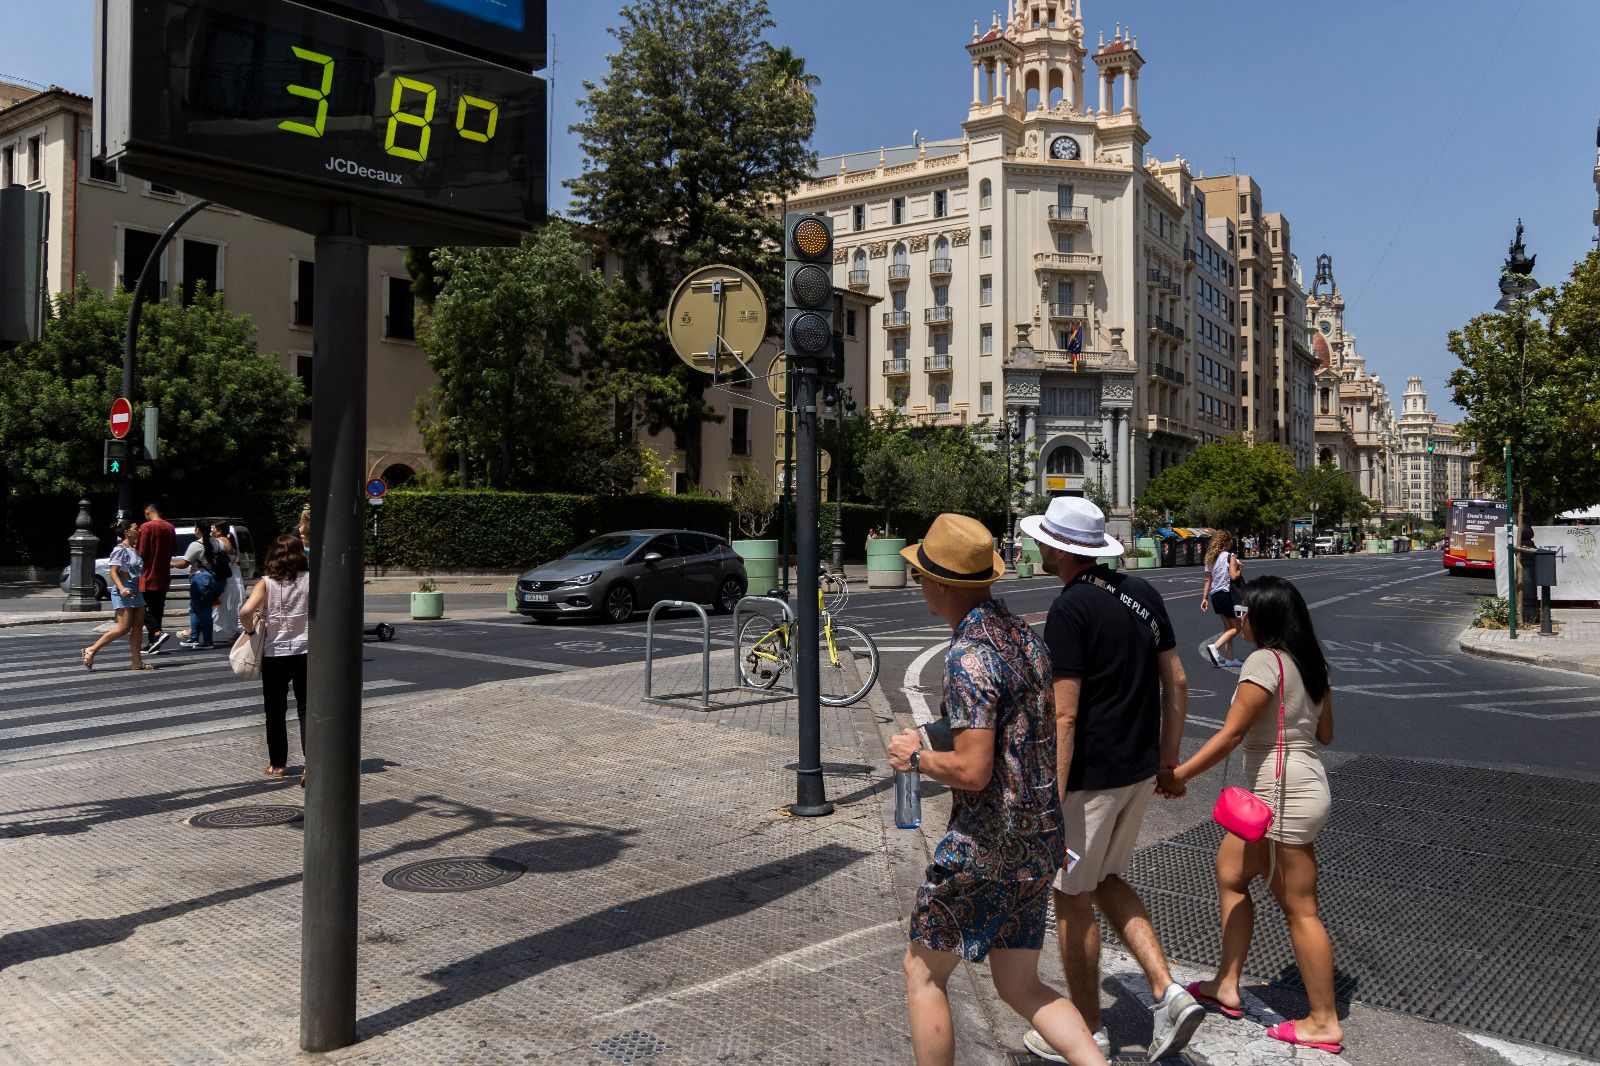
(1121, 698)
(988, 887)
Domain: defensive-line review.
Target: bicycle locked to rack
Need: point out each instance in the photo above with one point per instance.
(847, 659)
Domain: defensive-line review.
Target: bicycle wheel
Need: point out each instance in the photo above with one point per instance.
(763, 653)
(835, 591)
(845, 674)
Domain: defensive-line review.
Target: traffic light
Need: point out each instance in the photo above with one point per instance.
(1430, 447)
(808, 304)
(114, 462)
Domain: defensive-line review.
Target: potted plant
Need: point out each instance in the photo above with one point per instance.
(1024, 567)
(751, 496)
(427, 602)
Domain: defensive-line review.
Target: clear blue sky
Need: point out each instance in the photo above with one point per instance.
(1403, 138)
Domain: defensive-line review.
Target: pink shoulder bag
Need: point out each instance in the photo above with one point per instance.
(1240, 811)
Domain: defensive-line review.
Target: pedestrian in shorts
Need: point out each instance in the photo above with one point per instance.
(1120, 701)
(987, 889)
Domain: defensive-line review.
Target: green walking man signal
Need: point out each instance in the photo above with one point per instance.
(124, 457)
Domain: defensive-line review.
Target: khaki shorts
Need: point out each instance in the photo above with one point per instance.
(1102, 827)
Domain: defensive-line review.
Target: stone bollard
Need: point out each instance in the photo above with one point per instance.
(81, 593)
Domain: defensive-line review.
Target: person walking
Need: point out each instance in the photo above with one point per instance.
(986, 890)
(1222, 570)
(126, 567)
(158, 543)
(1121, 697)
(284, 594)
(1285, 676)
(225, 619)
(206, 562)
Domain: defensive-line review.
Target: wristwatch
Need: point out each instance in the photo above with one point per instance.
(916, 757)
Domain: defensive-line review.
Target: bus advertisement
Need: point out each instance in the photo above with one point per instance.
(1470, 525)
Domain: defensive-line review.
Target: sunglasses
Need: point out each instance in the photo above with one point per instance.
(1239, 610)
(916, 577)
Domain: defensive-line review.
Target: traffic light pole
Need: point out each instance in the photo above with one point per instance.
(333, 725)
(811, 796)
(130, 339)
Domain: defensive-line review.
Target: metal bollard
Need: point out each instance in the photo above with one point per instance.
(81, 593)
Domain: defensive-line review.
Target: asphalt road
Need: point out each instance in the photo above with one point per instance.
(1388, 622)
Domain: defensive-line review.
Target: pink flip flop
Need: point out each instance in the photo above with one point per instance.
(1193, 988)
(1285, 1031)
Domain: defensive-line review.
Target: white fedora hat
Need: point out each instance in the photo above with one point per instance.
(1072, 524)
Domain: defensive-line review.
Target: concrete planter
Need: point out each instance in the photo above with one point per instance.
(426, 605)
(1028, 548)
(885, 568)
(760, 564)
(1024, 568)
(511, 600)
(1152, 558)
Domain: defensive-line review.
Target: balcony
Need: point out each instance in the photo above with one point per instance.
(895, 368)
(938, 315)
(1060, 359)
(1169, 426)
(936, 364)
(859, 279)
(1067, 217)
(1067, 262)
(1165, 373)
(896, 319)
(739, 446)
(1159, 325)
(1071, 311)
(899, 271)
(1152, 276)
(938, 268)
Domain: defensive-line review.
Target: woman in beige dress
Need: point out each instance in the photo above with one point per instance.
(1287, 665)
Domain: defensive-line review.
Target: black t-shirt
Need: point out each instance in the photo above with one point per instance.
(1097, 637)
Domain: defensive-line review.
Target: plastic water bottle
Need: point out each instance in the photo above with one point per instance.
(907, 799)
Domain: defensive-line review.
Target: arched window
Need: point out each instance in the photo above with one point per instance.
(398, 475)
(899, 255)
(941, 249)
(941, 397)
(985, 194)
(1064, 460)
(860, 261)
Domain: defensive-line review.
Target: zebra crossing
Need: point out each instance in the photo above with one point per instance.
(51, 706)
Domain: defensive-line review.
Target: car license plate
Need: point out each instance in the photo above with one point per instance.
(535, 597)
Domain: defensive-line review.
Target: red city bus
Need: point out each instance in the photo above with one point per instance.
(1470, 526)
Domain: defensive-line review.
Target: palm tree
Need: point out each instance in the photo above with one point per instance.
(789, 72)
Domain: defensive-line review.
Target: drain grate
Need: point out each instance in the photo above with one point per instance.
(1443, 890)
(465, 874)
(251, 817)
(632, 1046)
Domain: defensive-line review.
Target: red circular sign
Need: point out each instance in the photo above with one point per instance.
(121, 417)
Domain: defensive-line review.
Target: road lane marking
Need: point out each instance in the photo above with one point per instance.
(1495, 708)
(1388, 691)
(921, 714)
(479, 657)
(121, 699)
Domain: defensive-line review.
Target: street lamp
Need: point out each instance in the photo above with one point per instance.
(1516, 281)
(1101, 457)
(1008, 435)
(1316, 494)
(844, 406)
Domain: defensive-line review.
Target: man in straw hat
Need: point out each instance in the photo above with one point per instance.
(1120, 699)
(989, 882)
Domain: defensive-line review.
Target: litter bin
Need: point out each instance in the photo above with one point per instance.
(1544, 567)
(1169, 549)
(1186, 558)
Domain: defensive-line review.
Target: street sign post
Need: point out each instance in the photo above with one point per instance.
(121, 417)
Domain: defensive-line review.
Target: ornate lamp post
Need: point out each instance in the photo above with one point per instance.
(1008, 435)
(1516, 281)
(1101, 457)
(844, 406)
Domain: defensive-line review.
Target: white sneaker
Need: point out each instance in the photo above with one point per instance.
(1177, 1016)
(1214, 655)
(1040, 1047)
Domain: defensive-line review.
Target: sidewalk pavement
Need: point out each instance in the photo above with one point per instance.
(1576, 645)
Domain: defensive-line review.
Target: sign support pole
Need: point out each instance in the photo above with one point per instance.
(333, 724)
(811, 796)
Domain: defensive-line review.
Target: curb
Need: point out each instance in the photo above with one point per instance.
(1535, 658)
(55, 619)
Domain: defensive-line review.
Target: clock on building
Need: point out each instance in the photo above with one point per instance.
(1325, 326)
(1064, 148)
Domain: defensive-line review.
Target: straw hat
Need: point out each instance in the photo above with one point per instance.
(957, 551)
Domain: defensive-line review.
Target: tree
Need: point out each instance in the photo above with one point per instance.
(1331, 494)
(698, 127)
(501, 334)
(227, 411)
(1227, 483)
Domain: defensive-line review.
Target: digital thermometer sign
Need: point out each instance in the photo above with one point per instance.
(510, 31)
(308, 107)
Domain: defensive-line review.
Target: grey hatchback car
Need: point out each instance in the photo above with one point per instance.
(616, 574)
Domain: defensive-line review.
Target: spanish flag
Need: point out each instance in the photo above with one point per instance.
(1075, 344)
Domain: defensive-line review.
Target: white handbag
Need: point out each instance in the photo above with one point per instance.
(245, 655)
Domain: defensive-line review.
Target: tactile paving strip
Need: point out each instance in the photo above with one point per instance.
(250, 817)
(1458, 895)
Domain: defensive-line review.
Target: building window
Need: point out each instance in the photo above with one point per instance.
(8, 166)
(202, 265)
(1064, 460)
(941, 398)
(986, 241)
(850, 322)
(985, 194)
(986, 398)
(1076, 402)
(986, 339)
(941, 203)
(858, 217)
(941, 343)
(986, 290)
(399, 313)
(156, 189)
(35, 152)
(740, 443)
(302, 370)
(897, 210)
(304, 295)
(136, 248)
(941, 295)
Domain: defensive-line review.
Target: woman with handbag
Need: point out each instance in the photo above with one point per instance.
(1282, 709)
(281, 602)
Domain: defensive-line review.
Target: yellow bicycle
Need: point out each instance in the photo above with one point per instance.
(847, 659)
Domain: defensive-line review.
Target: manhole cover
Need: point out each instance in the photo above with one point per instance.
(454, 875)
(632, 1046)
(246, 817)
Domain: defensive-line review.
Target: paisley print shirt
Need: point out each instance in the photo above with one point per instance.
(997, 676)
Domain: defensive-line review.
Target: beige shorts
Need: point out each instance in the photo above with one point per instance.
(1102, 827)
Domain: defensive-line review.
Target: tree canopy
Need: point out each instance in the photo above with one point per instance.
(698, 128)
(1229, 484)
(227, 411)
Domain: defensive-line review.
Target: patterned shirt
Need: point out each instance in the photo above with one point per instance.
(997, 676)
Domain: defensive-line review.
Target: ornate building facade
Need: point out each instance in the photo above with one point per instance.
(1434, 464)
(1355, 421)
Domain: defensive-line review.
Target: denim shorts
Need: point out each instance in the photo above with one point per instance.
(135, 598)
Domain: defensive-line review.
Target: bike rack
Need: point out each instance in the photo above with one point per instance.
(700, 699)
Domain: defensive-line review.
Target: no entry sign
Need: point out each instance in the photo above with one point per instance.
(121, 417)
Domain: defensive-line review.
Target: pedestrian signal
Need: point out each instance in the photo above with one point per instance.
(114, 461)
